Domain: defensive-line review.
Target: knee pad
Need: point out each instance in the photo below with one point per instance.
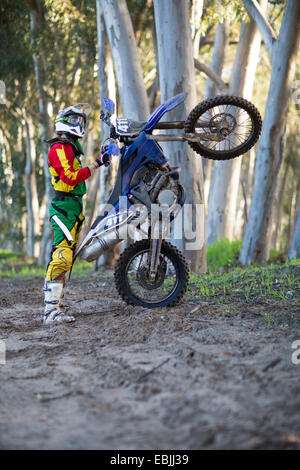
(63, 256)
(60, 263)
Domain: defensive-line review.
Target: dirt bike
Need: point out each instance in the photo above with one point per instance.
(151, 272)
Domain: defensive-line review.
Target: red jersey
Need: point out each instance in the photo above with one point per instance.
(66, 171)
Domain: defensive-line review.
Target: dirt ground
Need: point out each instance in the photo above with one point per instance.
(125, 377)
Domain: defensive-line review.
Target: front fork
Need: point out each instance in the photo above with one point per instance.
(161, 230)
(155, 249)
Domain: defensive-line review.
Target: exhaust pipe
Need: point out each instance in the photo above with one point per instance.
(111, 238)
(100, 245)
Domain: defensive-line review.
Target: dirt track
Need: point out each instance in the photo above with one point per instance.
(129, 378)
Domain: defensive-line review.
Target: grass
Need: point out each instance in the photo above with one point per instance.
(276, 282)
(18, 265)
(271, 291)
(279, 282)
(227, 282)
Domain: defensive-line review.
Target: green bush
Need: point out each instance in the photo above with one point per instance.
(223, 254)
(276, 256)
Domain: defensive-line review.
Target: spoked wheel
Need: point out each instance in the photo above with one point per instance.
(133, 281)
(228, 126)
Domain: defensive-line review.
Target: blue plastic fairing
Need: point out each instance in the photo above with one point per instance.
(162, 109)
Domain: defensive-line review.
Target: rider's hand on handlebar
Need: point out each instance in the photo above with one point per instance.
(105, 157)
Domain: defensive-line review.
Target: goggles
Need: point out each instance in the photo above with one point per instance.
(73, 120)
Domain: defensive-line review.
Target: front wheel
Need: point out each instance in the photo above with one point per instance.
(227, 126)
(132, 276)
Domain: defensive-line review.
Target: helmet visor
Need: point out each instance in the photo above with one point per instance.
(73, 120)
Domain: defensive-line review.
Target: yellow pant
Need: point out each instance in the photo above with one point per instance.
(62, 255)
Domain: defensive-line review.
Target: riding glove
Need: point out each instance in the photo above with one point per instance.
(105, 158)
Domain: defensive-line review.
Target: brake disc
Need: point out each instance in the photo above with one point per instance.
(142, 276)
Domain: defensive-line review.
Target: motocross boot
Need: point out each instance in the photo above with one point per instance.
(53, 313)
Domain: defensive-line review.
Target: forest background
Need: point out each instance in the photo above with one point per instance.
(57, 53)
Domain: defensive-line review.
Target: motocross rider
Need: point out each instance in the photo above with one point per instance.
(65, 211)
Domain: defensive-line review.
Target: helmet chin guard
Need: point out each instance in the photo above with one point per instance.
(72, 120)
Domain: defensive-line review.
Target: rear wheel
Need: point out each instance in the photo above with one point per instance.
(228, 126)
(134, 284)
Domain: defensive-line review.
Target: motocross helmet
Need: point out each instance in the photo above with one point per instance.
(72, 120)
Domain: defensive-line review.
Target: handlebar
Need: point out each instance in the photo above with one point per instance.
(105, 117)
(112, 148)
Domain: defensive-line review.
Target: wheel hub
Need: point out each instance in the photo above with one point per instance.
(224, 123)
(142, 276)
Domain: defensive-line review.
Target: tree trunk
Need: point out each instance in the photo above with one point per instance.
(249, 185)
(277, 211)
(153, 90)
(256, 243)
(217, 62)
(294, 208)
(223, 194)
(176, 71)
(218, 57)
(295, 246)
(107, 88)
(35, 25)
(197, 10)
(3, 205)
(132, 90)
(124, 51)
(32, 203)
(245, 191)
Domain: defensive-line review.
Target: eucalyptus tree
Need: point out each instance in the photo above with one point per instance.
(32, 203)
(132, 91)
(127, 64)
(283, 52)
(36, 25)
(221, 41)
(107, 88)
(63, 47)
(222, 202)
(176, 73)
(294, 251)
(16, 72)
